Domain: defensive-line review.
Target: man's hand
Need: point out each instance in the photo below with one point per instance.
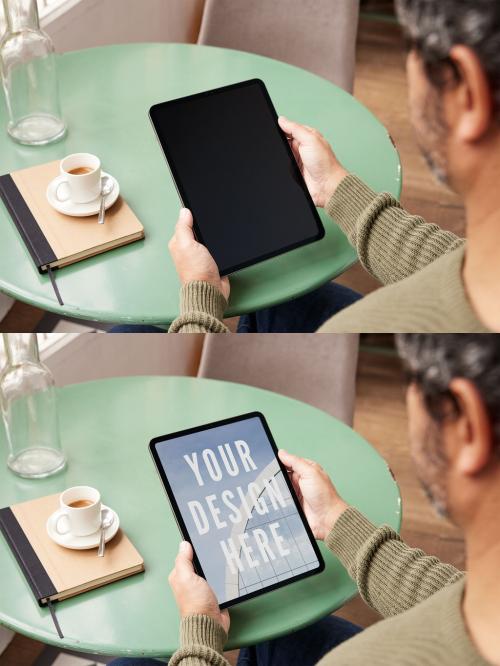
(320, 501)
(317, 162)
(193, 594)
(192, 259)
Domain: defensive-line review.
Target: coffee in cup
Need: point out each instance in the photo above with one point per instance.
(79, 504)
(79, 171)
(81, 178)
(80, 510)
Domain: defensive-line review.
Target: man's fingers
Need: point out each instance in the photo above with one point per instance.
(299, 133)
(225, 616)
(300, 466)
(295, 149)
(296, 484)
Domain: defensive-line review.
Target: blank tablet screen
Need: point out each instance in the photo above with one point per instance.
(234, 169)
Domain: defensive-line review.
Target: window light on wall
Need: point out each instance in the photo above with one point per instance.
(44, 8)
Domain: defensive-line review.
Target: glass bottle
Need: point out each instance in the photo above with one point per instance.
(29, 409)
(29, 77)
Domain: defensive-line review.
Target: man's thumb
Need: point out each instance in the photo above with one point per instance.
(185, 216)
(296, 464)
(184, 228)
(184, 559)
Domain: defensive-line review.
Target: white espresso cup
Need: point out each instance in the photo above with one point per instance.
(82, 178)
(80, 510)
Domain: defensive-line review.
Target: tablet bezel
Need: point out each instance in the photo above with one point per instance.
(183, 195)
(180, 521)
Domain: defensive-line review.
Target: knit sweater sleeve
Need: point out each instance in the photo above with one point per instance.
(202, 309)
(202, 642)
(391, 244)
(391, 576)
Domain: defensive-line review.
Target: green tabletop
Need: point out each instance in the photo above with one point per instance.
(106, 427)
(106, 94)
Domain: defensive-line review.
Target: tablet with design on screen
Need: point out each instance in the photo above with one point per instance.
(233, 501)
(235, 170)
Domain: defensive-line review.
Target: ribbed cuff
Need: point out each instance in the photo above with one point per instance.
(202, 309)
(351, 531)
(203, 297)
(202, 630)
(351, 198)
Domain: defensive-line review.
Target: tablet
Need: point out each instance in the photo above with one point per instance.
(233, 501)
(234, 168)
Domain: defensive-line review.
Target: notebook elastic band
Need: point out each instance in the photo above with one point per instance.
(54, 285)
(54, 618)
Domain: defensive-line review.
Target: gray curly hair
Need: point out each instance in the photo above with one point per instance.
(434, 27)
(432, 361)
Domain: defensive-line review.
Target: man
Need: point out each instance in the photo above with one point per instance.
(434, 281)
(435, 614)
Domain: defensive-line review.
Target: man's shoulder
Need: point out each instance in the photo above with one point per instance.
(431, 633)
(432, 300)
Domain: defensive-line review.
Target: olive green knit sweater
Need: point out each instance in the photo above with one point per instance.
(420, 596)
(419, 264)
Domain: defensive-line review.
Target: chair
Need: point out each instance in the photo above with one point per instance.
(317, 369)
(87, 24)
(318, 35)
(97, 356)
(5, 305)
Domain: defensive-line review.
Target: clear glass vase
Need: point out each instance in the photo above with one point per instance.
(29, 77)
(29, 410)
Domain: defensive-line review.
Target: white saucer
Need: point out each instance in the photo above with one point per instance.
(80, 209)
(82, 542)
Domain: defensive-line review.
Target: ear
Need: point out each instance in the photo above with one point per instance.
(472, 430)
(472, 97)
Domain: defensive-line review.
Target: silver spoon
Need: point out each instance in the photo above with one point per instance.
(107, 518)
(106, 187)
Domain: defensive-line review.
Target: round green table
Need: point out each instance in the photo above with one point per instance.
(106, 94)
(105, 428)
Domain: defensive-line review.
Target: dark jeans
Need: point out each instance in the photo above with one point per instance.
(304, 648)
(302, 315)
